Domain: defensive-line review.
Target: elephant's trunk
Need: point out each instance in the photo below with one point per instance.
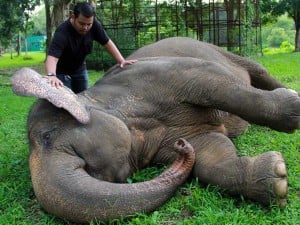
(77, 196)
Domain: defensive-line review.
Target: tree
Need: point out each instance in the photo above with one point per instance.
(277, 36)
(39, 21)
(270, 32)
(10, 21)
(55, 14)
(14, 18)
(271, 9)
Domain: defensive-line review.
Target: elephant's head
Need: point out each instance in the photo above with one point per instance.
(76, 153)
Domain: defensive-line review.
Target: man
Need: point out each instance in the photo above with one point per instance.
(71, 43)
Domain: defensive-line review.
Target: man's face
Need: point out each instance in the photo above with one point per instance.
(82, 24)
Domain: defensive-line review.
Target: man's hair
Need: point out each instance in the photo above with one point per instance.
(84, 8)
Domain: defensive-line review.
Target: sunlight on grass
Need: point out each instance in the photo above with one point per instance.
(283, 66)
(31, 58)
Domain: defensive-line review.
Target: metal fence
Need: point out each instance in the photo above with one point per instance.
(232, 24)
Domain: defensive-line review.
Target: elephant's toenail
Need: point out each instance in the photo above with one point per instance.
(280, 169)
(281, 203)
(281, 188)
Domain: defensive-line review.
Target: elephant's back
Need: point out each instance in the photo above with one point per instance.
(188, 47)
(180, 47)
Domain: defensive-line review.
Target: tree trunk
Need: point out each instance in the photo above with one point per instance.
(297, 37)
(60, 11)
(48, 24)
(94, 3)
(11, 50)
(230, 7)
(19, 44)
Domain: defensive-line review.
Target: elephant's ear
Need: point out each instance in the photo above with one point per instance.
(27, 82)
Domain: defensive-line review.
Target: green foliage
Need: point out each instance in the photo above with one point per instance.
(273, 35)
(39, 23)
(192, 204)
(272, 9)
(249, 31)
(277, 36)
(14, 17)
(286, 46)
(292, 7)
(132, 24)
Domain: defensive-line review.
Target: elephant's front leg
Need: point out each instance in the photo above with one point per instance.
(262, 178)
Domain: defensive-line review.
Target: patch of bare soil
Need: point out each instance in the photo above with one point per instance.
(6, 73)
(10, 71)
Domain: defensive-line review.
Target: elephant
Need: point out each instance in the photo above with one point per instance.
(197, 95)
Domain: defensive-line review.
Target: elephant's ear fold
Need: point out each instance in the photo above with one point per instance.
(27, 82)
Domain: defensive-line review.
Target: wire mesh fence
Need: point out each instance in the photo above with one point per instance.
(232, 24)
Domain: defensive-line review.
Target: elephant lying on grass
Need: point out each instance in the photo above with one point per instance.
(82, 147)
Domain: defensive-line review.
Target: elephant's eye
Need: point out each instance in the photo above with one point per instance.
(46, 139)
(46, 136)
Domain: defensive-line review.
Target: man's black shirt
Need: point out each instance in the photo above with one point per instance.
(71, 47)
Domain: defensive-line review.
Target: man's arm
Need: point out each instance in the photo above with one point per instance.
(114, 51)
(50, 66)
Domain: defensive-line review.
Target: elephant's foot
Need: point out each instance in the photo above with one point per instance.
(288, 111)
(268, 179)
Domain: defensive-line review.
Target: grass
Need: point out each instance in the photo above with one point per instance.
(285, 67)
(193, 203)
(29, 59)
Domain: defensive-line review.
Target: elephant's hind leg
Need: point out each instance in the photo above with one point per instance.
(262, 178)
(234, 125)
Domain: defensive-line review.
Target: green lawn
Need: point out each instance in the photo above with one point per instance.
(193, 203)
(31, 58)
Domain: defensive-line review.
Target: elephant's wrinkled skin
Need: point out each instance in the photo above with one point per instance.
(178, 88)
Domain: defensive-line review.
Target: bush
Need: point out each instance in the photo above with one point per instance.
(286, 46)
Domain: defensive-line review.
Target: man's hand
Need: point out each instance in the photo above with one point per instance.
(54, 81)
(127, 62)
(114, 51)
